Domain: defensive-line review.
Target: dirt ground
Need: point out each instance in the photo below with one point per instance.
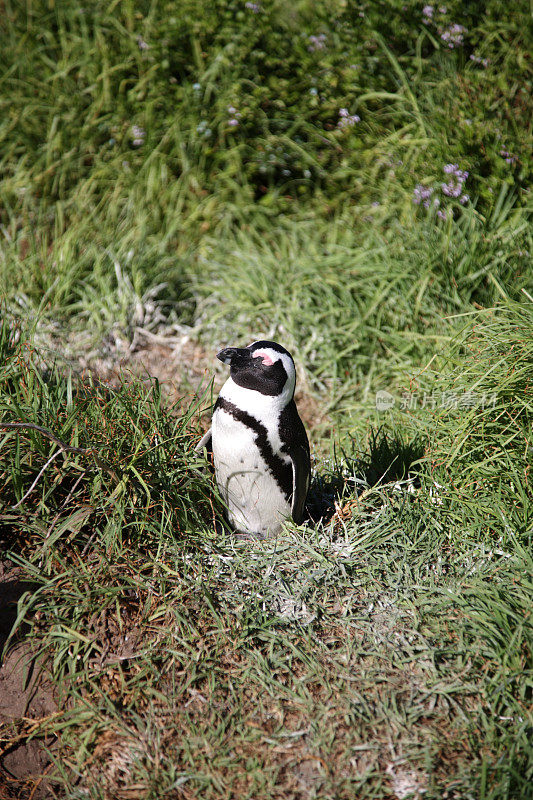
(26, 698)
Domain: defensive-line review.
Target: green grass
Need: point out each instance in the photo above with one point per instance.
(384, 652)
(388, 647)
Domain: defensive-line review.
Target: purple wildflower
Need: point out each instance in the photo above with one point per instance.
(317, 42)
(454, 187)
(235, 117)
(138, 135)
(422, 194)
(203, 129)
(478, 60)
(427, 11)
(255, 7)
(451, 189)
(142, 44)
(509, 159)
(347, 120)
(453, 36)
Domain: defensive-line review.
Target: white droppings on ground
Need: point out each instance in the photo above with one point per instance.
(405, 782)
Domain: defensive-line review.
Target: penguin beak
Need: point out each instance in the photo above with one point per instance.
(235, 356)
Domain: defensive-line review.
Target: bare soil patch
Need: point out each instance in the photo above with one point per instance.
(27, 700)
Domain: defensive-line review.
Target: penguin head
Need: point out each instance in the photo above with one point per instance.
(264, 367)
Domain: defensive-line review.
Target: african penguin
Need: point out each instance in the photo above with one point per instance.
(260, 447)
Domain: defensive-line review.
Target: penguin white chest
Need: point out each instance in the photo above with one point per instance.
(254, 499)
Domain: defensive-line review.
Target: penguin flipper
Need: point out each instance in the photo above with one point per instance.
(300, 481)
(205, 443)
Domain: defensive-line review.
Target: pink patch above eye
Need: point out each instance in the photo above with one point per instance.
(264, 357)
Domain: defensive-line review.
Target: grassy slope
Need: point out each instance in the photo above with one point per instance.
(387, 651)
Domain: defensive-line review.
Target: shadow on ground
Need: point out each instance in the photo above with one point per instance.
(389, 460)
